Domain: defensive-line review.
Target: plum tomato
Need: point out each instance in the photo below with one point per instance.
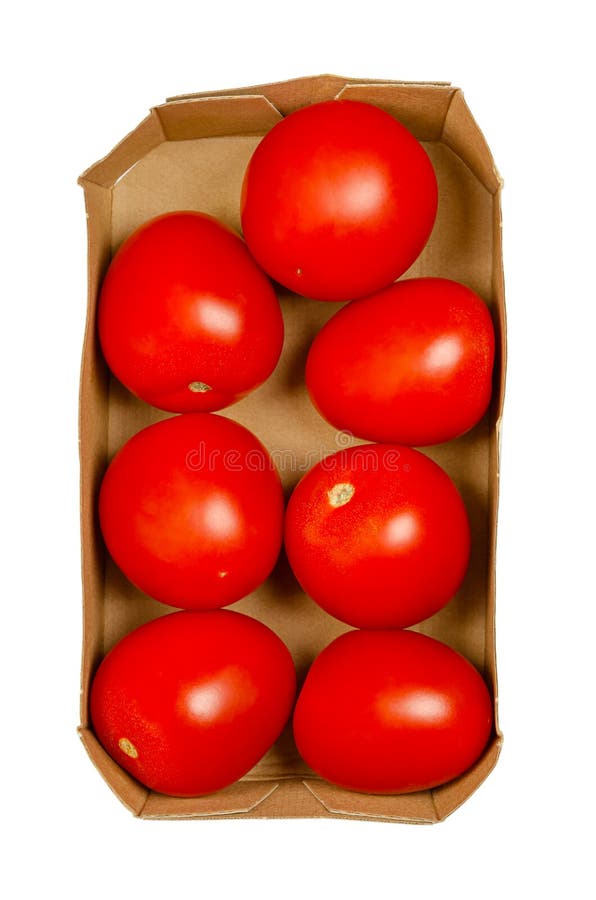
(411, 365)
(338, 200)
(191, 701)
(187, 321)
(378, 536)
(191, 510)
(390, 712)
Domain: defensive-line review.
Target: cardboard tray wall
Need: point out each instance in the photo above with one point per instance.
(191, 153)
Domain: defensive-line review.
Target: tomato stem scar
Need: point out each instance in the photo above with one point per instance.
(129, 748)
(199, 387)
(341, 494)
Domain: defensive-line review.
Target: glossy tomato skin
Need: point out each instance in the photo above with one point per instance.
(190, 702)
(390, 712)
(191, 510)
(412, 364)
(338, 200)
(378, 536)
(187, 321)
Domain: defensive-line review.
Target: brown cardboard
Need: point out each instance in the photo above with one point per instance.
(191, 153)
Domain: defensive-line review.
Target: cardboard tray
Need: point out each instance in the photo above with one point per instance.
(191, 153)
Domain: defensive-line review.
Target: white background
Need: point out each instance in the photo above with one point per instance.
(75, 79)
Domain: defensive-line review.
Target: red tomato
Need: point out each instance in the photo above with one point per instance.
(338, 200)
(191, 510)
(186, 319)
(378, 536)
(412, 364)
(390, 712)
(191, 701)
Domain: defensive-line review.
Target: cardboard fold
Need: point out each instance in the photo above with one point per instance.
(93, 419)
(140, 141)
(284, 95)
(132, 794)
(191, 153)
(217, 116)
(462, 134)
(238, 800)
(288, 96)
(421, 108)
(416, 808)
(448, 797)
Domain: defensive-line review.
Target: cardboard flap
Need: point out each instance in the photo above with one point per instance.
(421, 108)
(183, 120)
(496, 411)
(93, 416)
(239, 799)
(147, 135)
(423, 807)
(498, 288)
(284, 95)
(449, 796)
(462, 134)
(417, 808)
(132, 794)
(288, 96)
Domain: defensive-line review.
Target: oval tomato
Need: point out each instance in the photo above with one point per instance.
(191, 510)
(411, 364)
(389, 712)
(338, 200)
(191, 701)
(378, 536)
(187, 321)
